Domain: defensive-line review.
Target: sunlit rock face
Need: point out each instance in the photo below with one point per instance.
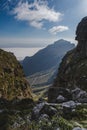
(72, 72)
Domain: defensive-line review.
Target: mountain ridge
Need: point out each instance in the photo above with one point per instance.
(46, 58)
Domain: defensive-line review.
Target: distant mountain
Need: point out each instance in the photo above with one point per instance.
(46, 58)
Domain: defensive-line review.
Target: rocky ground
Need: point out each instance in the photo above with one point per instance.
(62, 114)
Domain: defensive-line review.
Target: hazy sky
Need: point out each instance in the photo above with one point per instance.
(38, 23)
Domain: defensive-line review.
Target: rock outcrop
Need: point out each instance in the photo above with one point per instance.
(72, 72)
(12, 80)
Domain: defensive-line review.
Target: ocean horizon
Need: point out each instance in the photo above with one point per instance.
(21, 52)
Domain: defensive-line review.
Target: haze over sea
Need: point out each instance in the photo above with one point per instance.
(21, 53)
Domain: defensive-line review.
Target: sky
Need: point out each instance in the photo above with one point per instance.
(37, 23)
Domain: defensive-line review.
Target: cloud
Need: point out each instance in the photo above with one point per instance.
(56, 29)
(34, 13)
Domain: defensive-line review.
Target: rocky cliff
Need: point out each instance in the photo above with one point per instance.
(72, 72)
(12, 80)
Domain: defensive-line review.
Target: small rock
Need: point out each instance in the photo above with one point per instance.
(36, 110)
(68, 108)
(54, 92)
(69, 104)
(44, 116)
(76, 91)
(79, 95)
(84, 100)
(43, 108)
(49, 110)
(1, 111)
(58, 129)
(78, 128)
(60, 99)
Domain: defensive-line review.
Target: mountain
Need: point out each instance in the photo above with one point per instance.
(44, 64)
(12, 80)
(46, 58)
(72, 72)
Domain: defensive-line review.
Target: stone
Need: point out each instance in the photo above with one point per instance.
(44, 116)
(69, 104)
(54, 92)
(1, 111)
(75, 91)
(78, 128)
(60, 99)
(79, 95)
(41, 109)
(49, 110)
(83, 100)
(58, 129)
(36, 111)
(68, 109)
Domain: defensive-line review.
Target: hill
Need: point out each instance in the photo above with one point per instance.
(12, 80)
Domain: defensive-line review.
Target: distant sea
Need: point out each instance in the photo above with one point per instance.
(21, 53)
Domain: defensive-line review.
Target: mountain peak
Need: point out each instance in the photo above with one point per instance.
(47, 57)
(61, 40)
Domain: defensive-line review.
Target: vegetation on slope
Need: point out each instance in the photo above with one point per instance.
(12, 80)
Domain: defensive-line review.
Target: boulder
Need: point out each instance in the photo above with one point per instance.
(79, 95)
(36, 111)
(60, 99)
(43, 109)
(54, 92)
(44, 117)
(78, 128)
(49, 110)
(68, 109)
(69, 104)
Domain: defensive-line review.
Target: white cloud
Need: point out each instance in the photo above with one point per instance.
(36, 24)
(54, 30)
(35, 13)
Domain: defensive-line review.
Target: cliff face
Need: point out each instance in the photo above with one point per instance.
(12, 81)
(72, 72)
